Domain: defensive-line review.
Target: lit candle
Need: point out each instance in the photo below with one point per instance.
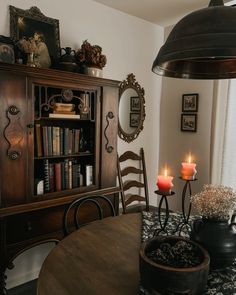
(188, 170)
(164, 182)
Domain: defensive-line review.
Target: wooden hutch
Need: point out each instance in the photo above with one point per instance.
(32, 195)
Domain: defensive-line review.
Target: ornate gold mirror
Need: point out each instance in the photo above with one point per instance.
(131, 109)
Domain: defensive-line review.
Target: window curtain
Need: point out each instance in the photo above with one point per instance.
(223, 141)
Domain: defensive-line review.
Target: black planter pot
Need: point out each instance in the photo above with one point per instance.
(218, 237)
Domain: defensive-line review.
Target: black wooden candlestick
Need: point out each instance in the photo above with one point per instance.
(162, 227)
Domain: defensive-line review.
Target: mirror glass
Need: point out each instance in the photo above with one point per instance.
(131, 109)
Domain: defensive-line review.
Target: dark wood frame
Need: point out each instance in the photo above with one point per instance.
(48, 26)
(132, 107)
(194, 117)
(194, 97)
(131, 124)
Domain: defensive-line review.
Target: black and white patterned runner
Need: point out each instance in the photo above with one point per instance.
(220, 282)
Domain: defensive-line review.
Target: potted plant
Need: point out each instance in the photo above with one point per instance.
(90, 57)
(213, 230)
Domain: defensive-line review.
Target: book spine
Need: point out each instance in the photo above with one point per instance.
(51, 178)
(45, 141)
(46, 176)
(61, 141)
(56, 141)
(58, 176)
(39, 150)
(66, 141)
(89, 175)
(70, 174)
(70, 141)
(63, 182)
(66, 174)
(76, 141)
(75, 179)
(49, 131)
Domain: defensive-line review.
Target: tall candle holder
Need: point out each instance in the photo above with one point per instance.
(184, 223)
(162, 227)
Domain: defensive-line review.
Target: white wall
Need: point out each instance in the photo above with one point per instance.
(130, 44)
(174, 144)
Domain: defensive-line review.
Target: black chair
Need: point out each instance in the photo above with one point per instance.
(98, 200)
(133, 166)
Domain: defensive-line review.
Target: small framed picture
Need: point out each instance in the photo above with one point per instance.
(189, 122)
(134, 119)
(190, 102)
(7, 51)
(135, 105)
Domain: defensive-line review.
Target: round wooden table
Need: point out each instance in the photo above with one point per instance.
(99, 258)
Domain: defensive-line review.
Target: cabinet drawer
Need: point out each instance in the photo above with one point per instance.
(29, 225)
(33, 224)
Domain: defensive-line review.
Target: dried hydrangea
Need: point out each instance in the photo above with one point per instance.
(215, 201)
(91, 55)
(27, 46)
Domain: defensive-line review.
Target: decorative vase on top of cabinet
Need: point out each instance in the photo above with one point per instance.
(43, 168)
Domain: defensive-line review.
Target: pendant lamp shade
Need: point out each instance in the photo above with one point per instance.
(202, 45)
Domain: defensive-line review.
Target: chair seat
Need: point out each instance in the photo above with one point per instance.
(138, 208)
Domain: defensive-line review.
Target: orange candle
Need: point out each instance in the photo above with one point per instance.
(188, 170)
(164, 182)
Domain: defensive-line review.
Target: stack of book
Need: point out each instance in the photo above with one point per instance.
(64, 110)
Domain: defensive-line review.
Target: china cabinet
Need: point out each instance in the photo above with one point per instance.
(58, 142)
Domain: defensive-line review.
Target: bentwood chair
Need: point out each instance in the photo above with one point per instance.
(100, 202)
(132, 177)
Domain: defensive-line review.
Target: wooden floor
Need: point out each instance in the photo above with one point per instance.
(28, 288)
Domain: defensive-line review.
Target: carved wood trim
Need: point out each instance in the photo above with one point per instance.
(13, 132)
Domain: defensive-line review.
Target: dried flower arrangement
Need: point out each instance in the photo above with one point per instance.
(215, 201)
(91, 55)
(27, 46)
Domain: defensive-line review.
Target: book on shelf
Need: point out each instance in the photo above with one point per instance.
(45, 141)
(77, 141)
(66, 141)
(70, 142)
(89, 174)
(64, 116)
(46, 176)
(49, 140)
(58, 176)
(68, 107)
(56, 141)
(70, 174)
(65, 112)
(51, 178)
(39, 150)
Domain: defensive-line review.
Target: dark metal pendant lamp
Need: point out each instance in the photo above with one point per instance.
(202, 45)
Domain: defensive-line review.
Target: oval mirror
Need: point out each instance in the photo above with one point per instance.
(131, 109)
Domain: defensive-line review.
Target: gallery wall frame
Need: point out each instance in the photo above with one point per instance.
(190, 102)
(189, 122)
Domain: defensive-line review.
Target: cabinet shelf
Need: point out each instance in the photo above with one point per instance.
(82, 154)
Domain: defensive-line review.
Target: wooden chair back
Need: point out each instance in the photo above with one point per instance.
(126, 169)
(77, 205)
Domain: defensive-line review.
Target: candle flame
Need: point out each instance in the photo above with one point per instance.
(190, 159)
(165, 173)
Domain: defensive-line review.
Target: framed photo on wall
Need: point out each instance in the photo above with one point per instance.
(190, 102)
(27, 23)
(134, 119)
(189, 122)
(135, 105)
